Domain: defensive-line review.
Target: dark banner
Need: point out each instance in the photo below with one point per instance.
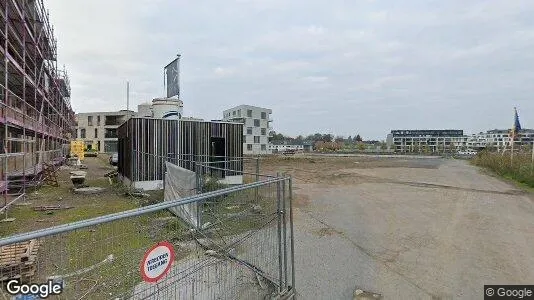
(172, 73)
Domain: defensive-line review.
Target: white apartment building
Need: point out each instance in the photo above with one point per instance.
(427, 141)
(99, 129)
(500, 139)
(256, 127)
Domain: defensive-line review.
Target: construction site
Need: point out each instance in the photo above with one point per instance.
(36, 118)
(179, 211)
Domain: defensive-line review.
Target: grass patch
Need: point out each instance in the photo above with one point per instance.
(519, 171)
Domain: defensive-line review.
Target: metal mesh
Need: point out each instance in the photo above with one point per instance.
(242, 248)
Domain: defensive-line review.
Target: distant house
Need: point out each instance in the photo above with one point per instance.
(281, 146)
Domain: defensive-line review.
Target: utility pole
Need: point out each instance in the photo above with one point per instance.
(127, 95)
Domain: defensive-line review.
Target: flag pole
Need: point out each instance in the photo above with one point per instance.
(512, 152)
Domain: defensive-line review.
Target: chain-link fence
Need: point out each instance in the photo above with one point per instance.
(240, 246)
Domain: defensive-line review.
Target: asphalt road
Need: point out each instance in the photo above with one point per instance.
(418, 233)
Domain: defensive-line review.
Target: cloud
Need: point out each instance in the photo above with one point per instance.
(392, 64)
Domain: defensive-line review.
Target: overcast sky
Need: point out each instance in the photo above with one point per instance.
(341, 67)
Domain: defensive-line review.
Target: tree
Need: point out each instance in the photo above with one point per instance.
(327, 137)
(361, 146)
(358, 138)
(349, 140)
(339, 139)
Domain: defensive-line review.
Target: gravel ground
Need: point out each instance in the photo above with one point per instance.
(440, 230)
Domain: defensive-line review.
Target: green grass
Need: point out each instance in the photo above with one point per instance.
(519, 171)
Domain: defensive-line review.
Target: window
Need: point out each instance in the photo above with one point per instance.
(233, 113)
(249, 130)
(256, 122)
(239, 113)
(82, 133)
(97, 120)
(264, 131)
(263, 147)
(90, 120)
(244, 138)
(249, 113)
(249, 147)
(263, 115)
(256, 140)
(110, 133)
(96, 132)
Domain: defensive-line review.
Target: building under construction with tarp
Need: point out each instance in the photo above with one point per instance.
(36, 118)
(145, 144)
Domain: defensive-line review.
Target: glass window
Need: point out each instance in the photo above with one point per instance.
(263, 115)
(97, 120)
(249, 147)
(239, 113)
(233, 113)
(263, 147)
(90, 120)
(249, 113)
(82, 133)
(264, 131)
(256, 122)
(256, 139)
(249, 130)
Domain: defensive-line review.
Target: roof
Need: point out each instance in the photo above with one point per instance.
(248, 106)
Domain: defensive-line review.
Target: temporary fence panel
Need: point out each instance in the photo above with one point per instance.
(243, 250)
(181, 183)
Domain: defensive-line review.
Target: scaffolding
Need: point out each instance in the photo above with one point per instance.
(36, 118)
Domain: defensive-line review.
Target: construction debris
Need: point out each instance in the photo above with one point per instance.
(17, 261)
(48, 208)
(50, 174)
(364, 295)
(111, 174)
(89, 190)
(78, 177)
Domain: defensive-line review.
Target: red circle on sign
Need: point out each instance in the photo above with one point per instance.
(170, 248)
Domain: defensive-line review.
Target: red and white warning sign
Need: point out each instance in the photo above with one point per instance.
(157, 262)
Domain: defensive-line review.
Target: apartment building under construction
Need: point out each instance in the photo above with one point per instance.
(36, 118)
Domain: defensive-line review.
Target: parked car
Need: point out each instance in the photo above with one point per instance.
(114, 159)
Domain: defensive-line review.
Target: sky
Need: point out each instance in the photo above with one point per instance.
(341, 67)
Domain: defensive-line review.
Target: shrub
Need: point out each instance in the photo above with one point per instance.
(520, 170)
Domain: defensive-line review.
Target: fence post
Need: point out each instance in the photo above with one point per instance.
(284, 227)
(292, 246)
(199, 191)
(280, 266)
(257, 178)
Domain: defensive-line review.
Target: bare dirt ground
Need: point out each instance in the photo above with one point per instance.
(405, 228)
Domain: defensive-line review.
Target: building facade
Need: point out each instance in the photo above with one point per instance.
(256, 127)
(145, 144)
(99, 129)
(36, 117)
(500, 139)
(439, 141)
(427, 141)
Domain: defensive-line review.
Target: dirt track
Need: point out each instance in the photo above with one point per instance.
(406, 228)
